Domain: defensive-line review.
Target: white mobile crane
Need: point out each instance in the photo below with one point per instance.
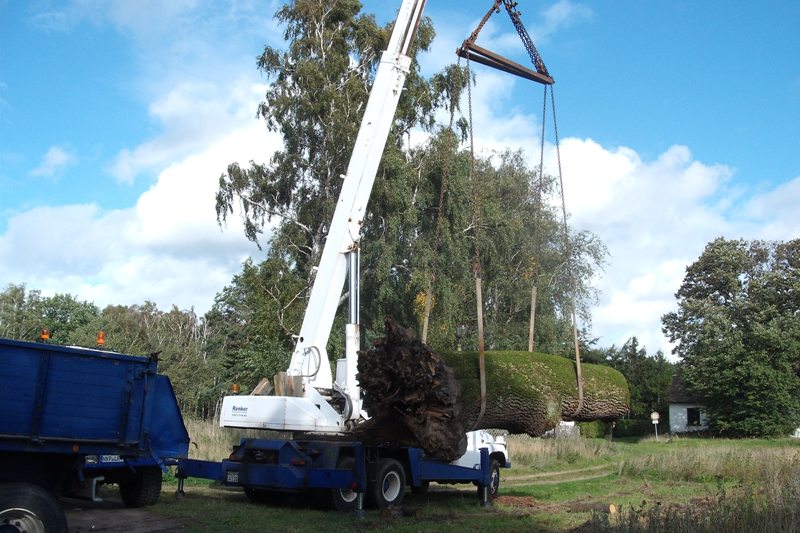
(312, 409)
(319, 411)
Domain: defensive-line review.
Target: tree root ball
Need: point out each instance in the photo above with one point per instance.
(418, 397)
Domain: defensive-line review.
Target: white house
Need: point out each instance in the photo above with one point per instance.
(686, 412)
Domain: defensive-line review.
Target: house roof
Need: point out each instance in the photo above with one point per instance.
(679, 391)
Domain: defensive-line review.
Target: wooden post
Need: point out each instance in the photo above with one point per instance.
(481, 352)
(578, 371)
(426, 317)
(280, 383)
(533, 319)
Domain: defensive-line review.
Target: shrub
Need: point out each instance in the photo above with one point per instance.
(633, 428)
(593, 430)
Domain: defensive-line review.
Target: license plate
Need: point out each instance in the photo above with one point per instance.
(110, 459)
(232, 476)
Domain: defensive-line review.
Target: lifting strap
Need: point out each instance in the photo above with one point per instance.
(470, 51)
(537, 213)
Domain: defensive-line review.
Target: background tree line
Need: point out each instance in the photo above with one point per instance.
(737, 331)
(423, 222)
(319, 85)
(189, 347)
(204, 355)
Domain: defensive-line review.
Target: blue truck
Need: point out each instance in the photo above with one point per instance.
(348, 474)
(72, 419)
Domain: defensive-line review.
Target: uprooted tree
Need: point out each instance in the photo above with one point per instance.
(418, 397)
(319, 86)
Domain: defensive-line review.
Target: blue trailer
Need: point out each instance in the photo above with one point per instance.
(348, 473)
(74, 418)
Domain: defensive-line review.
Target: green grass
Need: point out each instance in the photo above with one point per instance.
(670, 485)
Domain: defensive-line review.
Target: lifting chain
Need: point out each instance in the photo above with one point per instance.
(470, 50)
(533, 53)
(476, 265)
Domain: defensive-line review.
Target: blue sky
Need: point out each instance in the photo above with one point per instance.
(680, 122)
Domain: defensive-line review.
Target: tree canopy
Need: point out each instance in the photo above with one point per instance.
(189, 347)
(319, 86)
(737, 329)
(649, 377)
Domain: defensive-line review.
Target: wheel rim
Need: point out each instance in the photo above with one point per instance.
(494, 481)
(348, 495)
(18, 519)
(391, 486)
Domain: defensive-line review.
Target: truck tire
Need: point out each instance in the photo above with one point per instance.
(28, 507)
(390, 484)
(142, 487)
(257, 495)
(494, 479)
(344, 500)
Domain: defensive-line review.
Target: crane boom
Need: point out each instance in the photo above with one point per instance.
(312, 411)
(345, 228)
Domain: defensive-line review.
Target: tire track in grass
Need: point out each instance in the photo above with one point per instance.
(562, 476)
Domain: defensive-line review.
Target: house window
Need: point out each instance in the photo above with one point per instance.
(692, 416)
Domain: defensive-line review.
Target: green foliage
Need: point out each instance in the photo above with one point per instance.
(255, 316)
(738, 332)
(596, 429)
(628, 427)
(19, 313)
(320, 85)
(649, 377)
(183, 341)
(23, 314)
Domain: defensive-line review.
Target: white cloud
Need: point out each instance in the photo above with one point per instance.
(198, 72)
(191, 115)
(54, 162)
(562, 14)
(780, 208)
(167, 249)
(656, 218)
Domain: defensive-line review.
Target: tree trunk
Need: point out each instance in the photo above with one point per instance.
(421, 398)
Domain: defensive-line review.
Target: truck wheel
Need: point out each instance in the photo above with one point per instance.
(390, 484)
(345, 500)
(257, 495)
(142, 487)
(28, 507)
(494, 479)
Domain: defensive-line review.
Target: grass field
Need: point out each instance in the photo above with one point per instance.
(586, 485)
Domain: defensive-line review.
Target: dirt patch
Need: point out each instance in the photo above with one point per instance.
(527, 502)
(112, 516)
